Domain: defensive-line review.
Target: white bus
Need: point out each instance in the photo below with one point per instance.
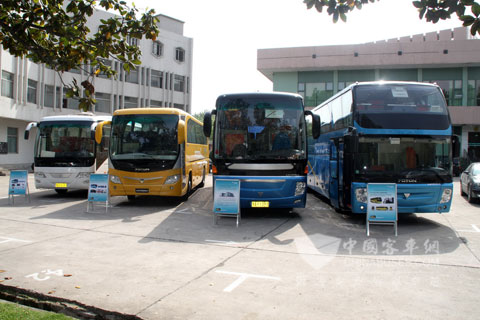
(65, 151)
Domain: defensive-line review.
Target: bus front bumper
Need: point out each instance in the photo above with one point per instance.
(411, 198)
(270, 192)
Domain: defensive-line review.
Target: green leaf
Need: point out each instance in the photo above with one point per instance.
(467, 20)
(476, 9)
(418, 4)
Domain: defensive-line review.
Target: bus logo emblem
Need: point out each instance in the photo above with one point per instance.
(260, 194)
(141, 180)
(406, 195)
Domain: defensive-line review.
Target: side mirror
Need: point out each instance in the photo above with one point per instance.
(99, 131)
(207, 124)
(455, 146)
(28, 128)
(181, 131)
(315, 123)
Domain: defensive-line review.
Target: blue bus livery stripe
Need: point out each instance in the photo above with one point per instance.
(361, 130)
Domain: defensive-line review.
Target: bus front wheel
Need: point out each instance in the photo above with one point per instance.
(189, 188)
(203, 180)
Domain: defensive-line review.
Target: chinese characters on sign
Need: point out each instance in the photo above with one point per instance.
(390, 247)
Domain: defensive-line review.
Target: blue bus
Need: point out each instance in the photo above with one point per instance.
(260, 139)
(384, 132)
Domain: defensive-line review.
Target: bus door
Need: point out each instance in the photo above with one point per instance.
(333, 190)
(341, 199)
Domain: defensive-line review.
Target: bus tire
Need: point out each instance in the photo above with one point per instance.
(61, 191)
(202, 184)
(189, 188)
(470, 197)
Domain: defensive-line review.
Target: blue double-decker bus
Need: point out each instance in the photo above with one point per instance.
(260, 139)
(384, 132)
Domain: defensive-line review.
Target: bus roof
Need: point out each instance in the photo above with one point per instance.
(380, 82)
(260, 94)
(150, 111)
(369, 83)
(84, 116)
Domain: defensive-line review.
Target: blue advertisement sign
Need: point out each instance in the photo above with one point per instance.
(98, 189)
(18, 182)
(382, 202)
(226, 199)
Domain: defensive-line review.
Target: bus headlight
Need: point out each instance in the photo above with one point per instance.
(300, 188)
(172, 179)
(115, 179)
(40, 175)
(446, 195)
(361, 194)
(83, 175)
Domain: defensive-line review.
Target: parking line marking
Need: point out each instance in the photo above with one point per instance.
(474, 227)
(242, 277)
(221, 241)
(6, 239)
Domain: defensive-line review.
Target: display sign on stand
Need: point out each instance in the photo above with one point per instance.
(98, 191)
(382, 205)
(18, 185)
(226, 199)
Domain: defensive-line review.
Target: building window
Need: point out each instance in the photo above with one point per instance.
(180, 54)
(70, 103)
(103, 102)
(7, 84)
(133, 41)
(102, 74)
(342, 85)
(48, 98)
(156, 79)
(179, 84)
(12, 140)
(32, 91)
(315, 93)
(155, 103)
(473, 93)
(132, 77)
(452, 90)
(157, 48)
(130, 102)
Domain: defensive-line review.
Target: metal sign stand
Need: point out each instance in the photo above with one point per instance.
(98, 191)
(226, 199)
(382, 207)
(18, 185)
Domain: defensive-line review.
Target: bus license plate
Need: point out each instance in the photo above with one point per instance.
(60, 185)
(260, 204)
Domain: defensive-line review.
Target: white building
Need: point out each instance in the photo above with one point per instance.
(30, 91)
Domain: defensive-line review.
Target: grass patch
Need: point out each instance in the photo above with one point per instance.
(11, 311)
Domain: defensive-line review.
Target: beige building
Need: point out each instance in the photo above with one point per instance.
(450, 58)
(31, 91)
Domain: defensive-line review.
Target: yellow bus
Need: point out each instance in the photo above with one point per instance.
(155, 151)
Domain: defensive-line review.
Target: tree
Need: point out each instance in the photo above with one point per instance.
(55, 33)
(431, 10)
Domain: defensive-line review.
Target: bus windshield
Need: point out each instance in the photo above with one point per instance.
(144, 136)
(403, 159)
(260, 128)
(64, 140)
(400, 106)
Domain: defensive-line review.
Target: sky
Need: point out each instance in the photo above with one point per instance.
(227, 34)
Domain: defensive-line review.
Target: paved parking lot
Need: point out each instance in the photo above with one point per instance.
(160, 258)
